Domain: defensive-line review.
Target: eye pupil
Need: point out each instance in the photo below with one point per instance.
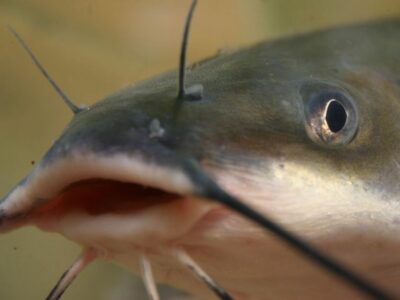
(336, 116)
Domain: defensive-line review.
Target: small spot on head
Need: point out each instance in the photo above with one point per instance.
(194, 92)
(155, 129)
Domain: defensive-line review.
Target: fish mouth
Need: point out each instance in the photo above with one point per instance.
(100, 196)
(101, 200)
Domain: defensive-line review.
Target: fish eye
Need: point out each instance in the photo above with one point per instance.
(331, 117)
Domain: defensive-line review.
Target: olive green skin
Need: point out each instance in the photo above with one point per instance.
(253, 106)
(252, 116)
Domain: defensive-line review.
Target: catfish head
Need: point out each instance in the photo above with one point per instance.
(297, 136)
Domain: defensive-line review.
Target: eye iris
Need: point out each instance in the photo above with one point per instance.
(330, 114)
(336, 116)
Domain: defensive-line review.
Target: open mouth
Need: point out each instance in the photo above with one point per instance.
(102, 196)
(100, 201)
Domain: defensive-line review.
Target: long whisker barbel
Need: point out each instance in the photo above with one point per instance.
(148, 278)
(67, 100)
(211, 190)
(69, 275)
(187, 261)
(182, 62)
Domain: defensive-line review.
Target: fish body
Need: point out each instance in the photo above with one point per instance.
(303, 129)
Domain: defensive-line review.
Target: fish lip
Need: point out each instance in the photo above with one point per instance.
(44, 183)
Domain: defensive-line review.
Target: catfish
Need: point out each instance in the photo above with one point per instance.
(266, 173)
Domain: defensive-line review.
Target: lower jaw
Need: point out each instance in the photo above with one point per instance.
(158, 225)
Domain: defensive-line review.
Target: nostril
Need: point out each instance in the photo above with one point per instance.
(155, 129)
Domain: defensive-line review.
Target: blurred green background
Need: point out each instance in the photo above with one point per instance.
(93, 48)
